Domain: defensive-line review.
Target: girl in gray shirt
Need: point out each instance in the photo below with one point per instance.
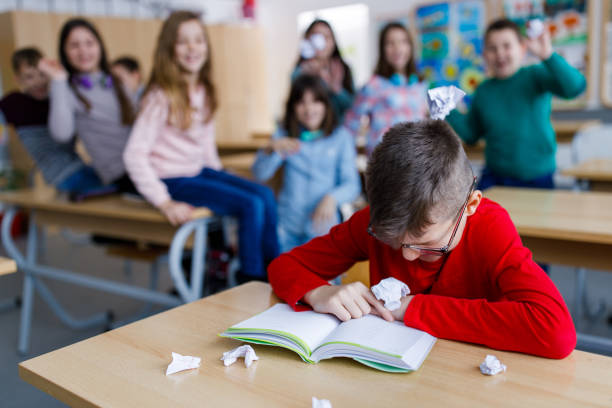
(87, 100)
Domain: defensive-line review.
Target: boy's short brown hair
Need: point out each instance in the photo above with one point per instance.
(418, 175)
(29, 56)
(502, 24)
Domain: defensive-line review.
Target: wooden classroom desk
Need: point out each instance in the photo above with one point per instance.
(559, 226)
(598, 172)
(7, 266)
(126, 368)
(110, 216)
(566, 129)
(239, 163)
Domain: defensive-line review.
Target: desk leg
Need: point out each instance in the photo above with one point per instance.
(581, 301)
(200, 228)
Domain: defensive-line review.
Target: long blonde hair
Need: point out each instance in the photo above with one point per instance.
(166, 73)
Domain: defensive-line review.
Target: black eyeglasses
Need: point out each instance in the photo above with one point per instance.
(437, 251)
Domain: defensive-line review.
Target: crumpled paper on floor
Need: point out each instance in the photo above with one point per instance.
(391, 290)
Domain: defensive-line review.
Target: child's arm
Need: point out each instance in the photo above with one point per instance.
(62, 101)
(362, 106)
(348, 184)
(524, 312)
(467, 126)
(312, 265)
(555, 74)
(136, 156)
(268, 160)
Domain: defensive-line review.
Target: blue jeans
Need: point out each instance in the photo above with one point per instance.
(81, 181)
(253, 204)
(490, 179)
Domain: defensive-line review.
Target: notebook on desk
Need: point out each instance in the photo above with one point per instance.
(370, 340)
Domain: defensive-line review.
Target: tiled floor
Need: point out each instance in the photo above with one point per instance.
(49, 334)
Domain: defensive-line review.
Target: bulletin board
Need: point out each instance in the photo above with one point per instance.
(450, 43)
(570, 23)
(606, 54)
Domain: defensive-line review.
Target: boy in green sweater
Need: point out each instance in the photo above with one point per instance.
(511, 110)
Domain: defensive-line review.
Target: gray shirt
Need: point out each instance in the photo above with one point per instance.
(100, 128)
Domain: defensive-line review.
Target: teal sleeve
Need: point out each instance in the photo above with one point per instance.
(555, 75)
(467, 125)
(342, 101)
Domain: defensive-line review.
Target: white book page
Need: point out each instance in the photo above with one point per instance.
(311, 327)
(376, 333)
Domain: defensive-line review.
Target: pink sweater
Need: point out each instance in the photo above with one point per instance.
(158, 150)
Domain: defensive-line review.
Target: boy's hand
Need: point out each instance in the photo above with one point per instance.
(324, 213)
(541, 46)
(177, 212)
(346, 302)
(398, 314)
(53, 69)
(285, 146)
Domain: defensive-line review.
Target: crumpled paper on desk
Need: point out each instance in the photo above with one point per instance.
(180, 363)
(443, 100)
(320, 403)
(535, 28)
(390, 290)
(491, 365)
(246, 351)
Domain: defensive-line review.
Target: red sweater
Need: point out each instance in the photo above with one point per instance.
(489, 290)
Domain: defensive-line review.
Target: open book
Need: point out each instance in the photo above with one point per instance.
(370, 340)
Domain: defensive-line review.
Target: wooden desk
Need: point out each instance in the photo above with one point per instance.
(239, 163)
(229, 146)
(562, 227)
(598, 172)
(125, 368)
(7, 266)
(109, 216)
(566, 129)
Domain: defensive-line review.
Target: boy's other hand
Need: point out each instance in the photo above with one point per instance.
(541, 46)
(177, 212)
(53, 69)
(285, 146)
(346, 302)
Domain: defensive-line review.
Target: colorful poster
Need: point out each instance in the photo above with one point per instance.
(567, 21)
(450, 43)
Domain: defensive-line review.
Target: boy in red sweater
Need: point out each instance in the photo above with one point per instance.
(470, 277)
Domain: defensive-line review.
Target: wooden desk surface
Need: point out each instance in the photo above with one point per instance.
(571, 228)
(559, 214)
(596, 169)
(112, 206)
(238, 161)
(111, 216)
(125, 368)
(7, 266)
(566, 129)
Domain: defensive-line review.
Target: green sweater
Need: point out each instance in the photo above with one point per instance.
(513, 116)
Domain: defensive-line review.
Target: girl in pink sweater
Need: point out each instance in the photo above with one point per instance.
(171, 154)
